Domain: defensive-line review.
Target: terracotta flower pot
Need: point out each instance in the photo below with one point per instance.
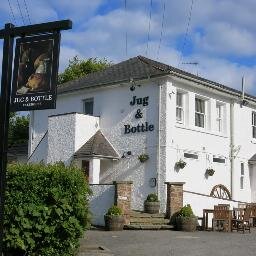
(152, 207)
(114, 222)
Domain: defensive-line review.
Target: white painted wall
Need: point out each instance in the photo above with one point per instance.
(101, 200)
(112, 106)
(113, 109)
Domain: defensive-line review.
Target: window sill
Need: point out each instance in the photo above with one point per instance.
(202, 130)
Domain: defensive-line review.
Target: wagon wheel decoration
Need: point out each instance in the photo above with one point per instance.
(220, 191)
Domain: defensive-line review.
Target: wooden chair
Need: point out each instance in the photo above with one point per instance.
(242, 221)
(221, 218)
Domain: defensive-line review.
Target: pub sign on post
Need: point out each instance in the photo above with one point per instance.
(35, 73)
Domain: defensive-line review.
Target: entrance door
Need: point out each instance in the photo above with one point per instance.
(85, 168)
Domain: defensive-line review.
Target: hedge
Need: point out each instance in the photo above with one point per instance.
(46, 209)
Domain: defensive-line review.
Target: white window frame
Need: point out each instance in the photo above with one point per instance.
(242, 175)
(180, 107)
(201, 113)
(253, 124)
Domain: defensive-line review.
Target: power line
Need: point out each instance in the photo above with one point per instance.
(125, 9)
(149, 24)
(26, 8)
(162, 28)
(12, 13)
(23, 20)
(187, 29)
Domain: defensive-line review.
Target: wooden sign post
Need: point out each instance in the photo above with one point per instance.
(8, 34)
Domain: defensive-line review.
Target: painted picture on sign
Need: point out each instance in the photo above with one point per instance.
(35, 65)
(35, 72)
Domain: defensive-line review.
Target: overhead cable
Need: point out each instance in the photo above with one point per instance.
(12, 13)
(162, 29)
(21, 15)
(187, 29)
(26, 8)
(149, 25)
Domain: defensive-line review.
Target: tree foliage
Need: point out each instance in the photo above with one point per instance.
(78, 68)
(18, 129)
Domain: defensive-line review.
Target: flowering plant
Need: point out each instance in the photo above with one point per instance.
(180, 164)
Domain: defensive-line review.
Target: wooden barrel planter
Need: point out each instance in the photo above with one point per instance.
(187, 224)
(114, 223)
(151, 207)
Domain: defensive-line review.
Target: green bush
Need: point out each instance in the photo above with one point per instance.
(46, 209)
(114, 211)
(186, 211)
(152, 198)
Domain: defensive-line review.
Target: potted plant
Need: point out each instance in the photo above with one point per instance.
(186, 220)
(152, 204)
(209, 172)
(114, 219)
(180, 164)
(143, 158)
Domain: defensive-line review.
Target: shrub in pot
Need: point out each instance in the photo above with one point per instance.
(114, 219)
(152, 204)
(186, 220)
(180, 164)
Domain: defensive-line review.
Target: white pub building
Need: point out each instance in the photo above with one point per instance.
(136, 120)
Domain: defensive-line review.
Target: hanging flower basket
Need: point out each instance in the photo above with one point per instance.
(143, 158)
(180, 164)
(210, 171)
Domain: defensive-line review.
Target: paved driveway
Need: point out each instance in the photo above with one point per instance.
(171, 243)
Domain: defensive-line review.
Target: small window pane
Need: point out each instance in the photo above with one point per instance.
(219, 160)
(179, 114)
(179, 99)
(200, 105)
(88, 106)
(242, 182)
(188, 155)
(242, 168)
(199, 120)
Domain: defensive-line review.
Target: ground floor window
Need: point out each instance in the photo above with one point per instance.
(85, 168)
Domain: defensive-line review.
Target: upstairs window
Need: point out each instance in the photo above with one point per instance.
(88, 106)
(254, 125)
(179, 107)
(200, 112)
(242, 176)
(219, 118)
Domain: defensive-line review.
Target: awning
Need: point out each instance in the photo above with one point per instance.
(97, 146)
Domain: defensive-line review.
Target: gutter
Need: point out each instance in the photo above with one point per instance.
(231, 149)
(159, 141)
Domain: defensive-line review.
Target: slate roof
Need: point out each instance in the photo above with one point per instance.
(97, 145)
(252, 160)
(139, 68)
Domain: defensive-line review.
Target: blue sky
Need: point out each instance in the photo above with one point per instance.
(221, 36)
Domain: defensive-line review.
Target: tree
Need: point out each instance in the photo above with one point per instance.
(78, 68)
(18, 129)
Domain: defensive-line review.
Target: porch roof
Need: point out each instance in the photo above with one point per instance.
(97, 146)
(252, 160)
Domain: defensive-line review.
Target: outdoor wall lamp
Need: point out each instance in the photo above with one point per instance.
(132, 88)
(125, 154)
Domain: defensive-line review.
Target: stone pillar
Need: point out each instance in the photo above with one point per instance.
(94, 171)
(174, 197)
(123, 196)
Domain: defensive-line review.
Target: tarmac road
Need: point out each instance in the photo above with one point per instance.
(169, 243)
